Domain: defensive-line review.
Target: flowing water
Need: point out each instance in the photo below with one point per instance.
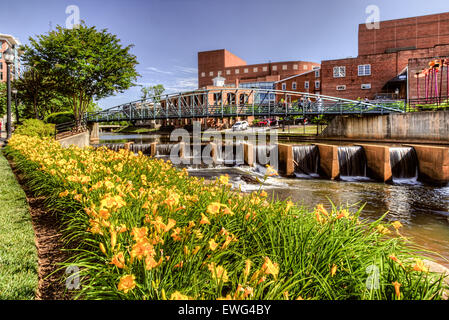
(404, 164)
(352, 161)
(307, 161)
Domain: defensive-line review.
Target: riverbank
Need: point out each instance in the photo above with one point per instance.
(18, 254)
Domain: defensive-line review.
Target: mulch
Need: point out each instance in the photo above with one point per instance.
(49, 244)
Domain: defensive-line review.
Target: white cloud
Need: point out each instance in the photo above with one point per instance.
(186, 69)
(156, 70)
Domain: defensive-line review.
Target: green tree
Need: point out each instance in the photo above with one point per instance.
(2, 98)
(152, 91)
(37, 91)
(84, 63)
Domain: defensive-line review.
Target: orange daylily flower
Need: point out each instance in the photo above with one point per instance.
(218, 272)
(212, 244)
(118, 260)
(127, 283)
(270, 268)
(178, 296)
(397, 225)
(333, 270)
(204, 219)
(142, 249)
(213, 208)
(150, 263)
(397, 286)
(420, 266)
(139, 233)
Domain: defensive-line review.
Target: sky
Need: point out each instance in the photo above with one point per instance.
(168, 34)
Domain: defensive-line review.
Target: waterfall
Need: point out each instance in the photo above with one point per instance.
(163, 149)
(111, 146)
(227, 154)
(352, 161)
(144, 148)
(307, 159)
(263, 153)
(404, 163)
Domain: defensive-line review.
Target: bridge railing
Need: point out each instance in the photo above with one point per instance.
(221, 102)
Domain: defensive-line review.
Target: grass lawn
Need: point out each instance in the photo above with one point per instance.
(136, 130)
(18, 256)
(309, 130)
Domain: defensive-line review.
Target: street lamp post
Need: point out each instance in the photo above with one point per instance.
(8, 55)
(14, 92)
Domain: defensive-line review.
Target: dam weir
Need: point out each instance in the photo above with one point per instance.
(404, 163)
(306, 160)
(352, 161)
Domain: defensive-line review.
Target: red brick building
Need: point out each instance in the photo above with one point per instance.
(384, 68)
(236, 71)
(5, 42)
(404, 34)
(309, 82)
(380, 70)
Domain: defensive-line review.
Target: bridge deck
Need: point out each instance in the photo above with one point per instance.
(239, 102)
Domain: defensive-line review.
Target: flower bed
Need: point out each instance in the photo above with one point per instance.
(142, 229)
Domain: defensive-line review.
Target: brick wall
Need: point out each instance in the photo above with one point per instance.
(233, 69)
(384, 67)
(417, 32)
(3, 47)
(300, 82)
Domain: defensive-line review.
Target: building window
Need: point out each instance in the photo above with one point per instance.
(317, 73)
(203, 74)
(284, 86)
(284, 67)
(237, 71)
(306, 84)
(255, 69)
(264, 68)
(219, 73)
(275, 68)
(317, 84)
(295, 67)
(364, 70)
(339, 72)
(341, 88)
(305, 67)
(1, 75)
(245, 70)
(228, 71)
(366, 86)
(211, 74)
(293, 85)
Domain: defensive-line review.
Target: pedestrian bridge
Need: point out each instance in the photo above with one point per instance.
(239, 102)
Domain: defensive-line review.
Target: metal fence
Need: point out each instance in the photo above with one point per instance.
(235, 102)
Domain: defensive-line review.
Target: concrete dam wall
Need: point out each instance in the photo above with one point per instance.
(413, 126)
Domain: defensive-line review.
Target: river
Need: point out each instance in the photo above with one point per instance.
(421, 208)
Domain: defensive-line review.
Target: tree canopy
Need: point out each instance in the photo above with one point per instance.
(152, 91)
(82, 64)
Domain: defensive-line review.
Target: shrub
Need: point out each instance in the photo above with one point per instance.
(60, 117)
(143, 229)
(35, 128)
